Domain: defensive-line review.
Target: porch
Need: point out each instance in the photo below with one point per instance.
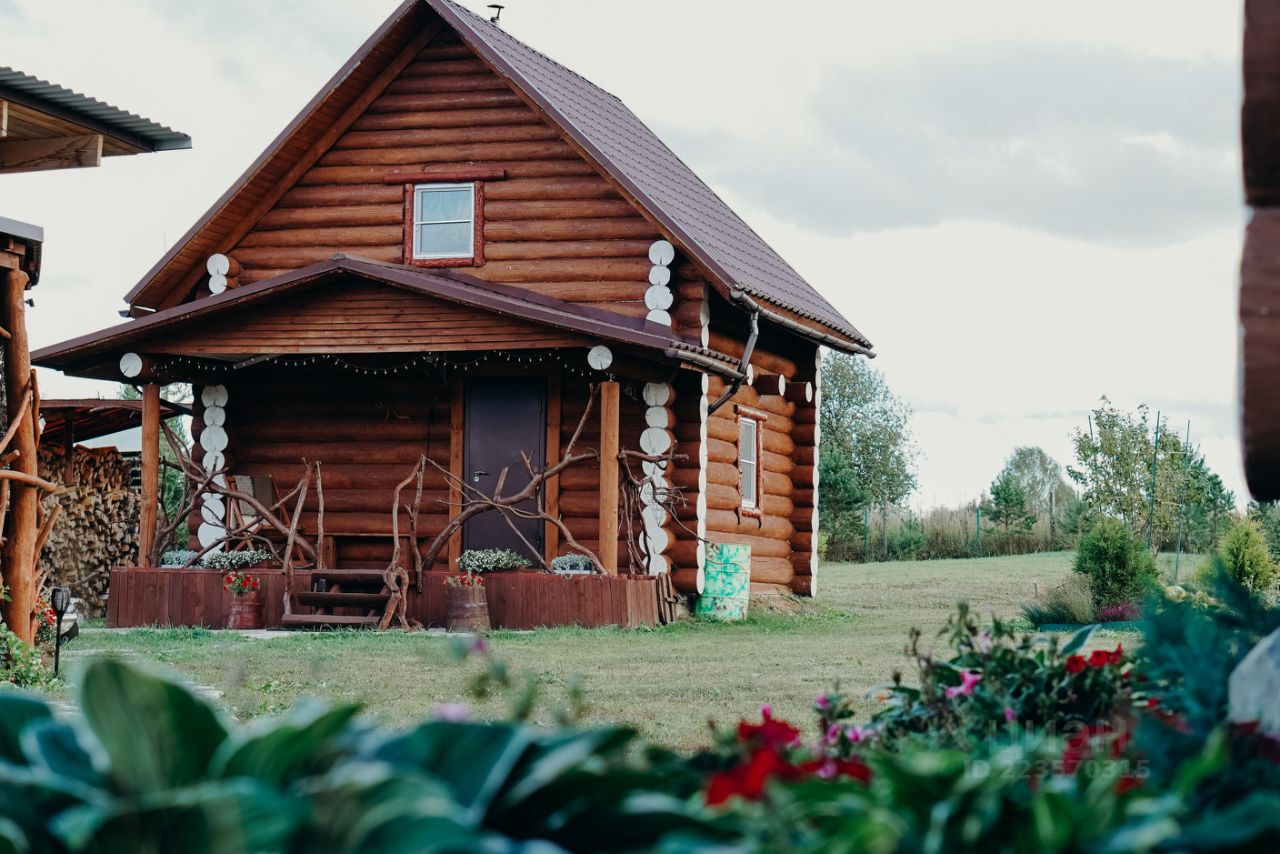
(349, 377)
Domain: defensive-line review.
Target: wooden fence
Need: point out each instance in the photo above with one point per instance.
(517, 600)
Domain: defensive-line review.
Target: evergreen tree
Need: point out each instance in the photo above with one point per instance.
(1007, 507)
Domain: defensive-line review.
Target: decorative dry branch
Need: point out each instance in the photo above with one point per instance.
(395, 577)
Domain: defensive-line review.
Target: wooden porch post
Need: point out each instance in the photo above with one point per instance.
(150, 471)
(19, 559)
(610, 405)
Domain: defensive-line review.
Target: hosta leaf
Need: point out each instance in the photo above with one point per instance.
(278, 750)
(1078, 639)
(211, 818)
(375, 806)
(55, 746)
(16, 712)
(157, 734)
(551, 756)
(28, 796)
(474, 759)
(12, 839)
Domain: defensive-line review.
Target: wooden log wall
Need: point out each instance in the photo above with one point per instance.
(366, 431)
(782, 535)
(580, 485)
(553, 224)
(358, 316)
(98, 526)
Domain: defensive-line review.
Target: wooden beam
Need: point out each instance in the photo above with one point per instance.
(150, 472)
(18, 566)
(610, 409)
(4, 118)
(551, 495)
(66, 152)
(456, 439)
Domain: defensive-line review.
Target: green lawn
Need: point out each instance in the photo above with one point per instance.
(667, 682)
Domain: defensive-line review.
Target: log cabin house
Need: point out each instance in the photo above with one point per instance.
(443, 253)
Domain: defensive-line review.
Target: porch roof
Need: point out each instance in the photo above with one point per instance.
(86, 352)
(82, 419)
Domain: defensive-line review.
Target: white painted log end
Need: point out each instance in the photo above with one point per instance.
(131, 365)
(662, 252)
(600, 357)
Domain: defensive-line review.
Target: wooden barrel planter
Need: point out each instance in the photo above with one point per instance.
(466, 609)
(247, 612)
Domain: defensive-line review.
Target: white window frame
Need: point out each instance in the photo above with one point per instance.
(757, 445)
(418, 190)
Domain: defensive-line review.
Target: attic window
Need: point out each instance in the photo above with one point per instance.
(444, 227)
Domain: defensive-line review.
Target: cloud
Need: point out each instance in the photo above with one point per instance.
(1087, 143)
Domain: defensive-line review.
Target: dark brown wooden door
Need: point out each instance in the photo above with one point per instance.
(503, 416)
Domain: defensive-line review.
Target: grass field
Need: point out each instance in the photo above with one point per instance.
(668, 682)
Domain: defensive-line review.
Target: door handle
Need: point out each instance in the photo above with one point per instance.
(476, 475)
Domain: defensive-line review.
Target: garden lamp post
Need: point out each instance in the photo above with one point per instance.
(60, 600)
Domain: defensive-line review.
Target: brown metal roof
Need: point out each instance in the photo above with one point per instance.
(82, 419)
(621, 145)
(40, 110)
(449, 285)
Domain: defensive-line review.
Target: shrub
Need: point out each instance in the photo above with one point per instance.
(1119, 568)
(909, 541)
(232, 561)
(1069, 603)
(995, 678)
(572, 565)
(177, 557)
(489, 560)
(20, 663)
(1243, 552)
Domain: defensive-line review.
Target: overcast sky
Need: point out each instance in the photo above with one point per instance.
(1023, 205)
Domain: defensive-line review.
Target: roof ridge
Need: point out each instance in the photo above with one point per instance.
(485, 21)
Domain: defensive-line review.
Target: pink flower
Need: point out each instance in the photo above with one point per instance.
(453, 712)
(833, 733)
(968, 679)
(822, 702)
(984, 643)
(857, 734)
(1009, 714)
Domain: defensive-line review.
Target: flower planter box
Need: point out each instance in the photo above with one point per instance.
(466, 609)
(516, 600)
(246, 611)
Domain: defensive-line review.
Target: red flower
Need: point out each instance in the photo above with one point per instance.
(747, 780)
(1075, 664)
(770, 732)
(1127, 783)
(1099, 658)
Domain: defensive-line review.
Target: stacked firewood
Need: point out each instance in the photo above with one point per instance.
(98, 527)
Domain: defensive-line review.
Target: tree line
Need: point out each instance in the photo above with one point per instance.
(1125, 467)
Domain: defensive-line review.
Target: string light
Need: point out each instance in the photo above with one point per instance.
(436, 360)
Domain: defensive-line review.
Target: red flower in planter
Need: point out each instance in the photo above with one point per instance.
(1127, 783)
(1076, 664)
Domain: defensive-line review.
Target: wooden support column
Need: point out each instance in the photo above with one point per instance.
(19, 557)
(150, 471)
(610, 407)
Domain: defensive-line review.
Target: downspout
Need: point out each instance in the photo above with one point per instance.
(753, 310)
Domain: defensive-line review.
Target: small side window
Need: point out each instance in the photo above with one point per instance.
(444, 222)
(749, 461)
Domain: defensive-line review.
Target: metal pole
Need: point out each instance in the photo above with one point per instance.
(1151, 518)
(1182, 501)
(977, 525)
(866, 535)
